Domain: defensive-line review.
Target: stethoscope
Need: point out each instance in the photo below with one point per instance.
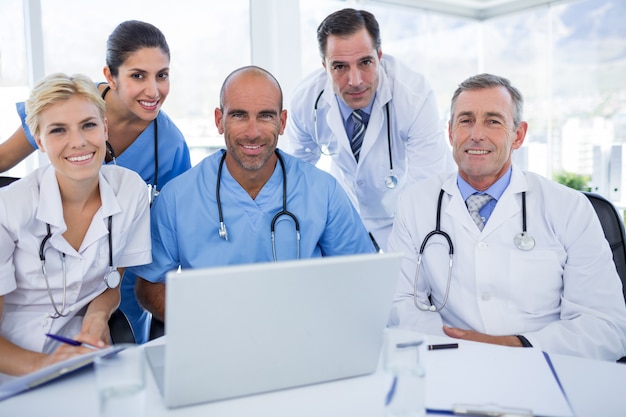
(523, 241)
(390, 180)
(284, 212)
(112, 278)
(152, 188)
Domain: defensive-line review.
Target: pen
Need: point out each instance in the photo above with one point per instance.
(374, 242)
(445, 346)
(72, 342)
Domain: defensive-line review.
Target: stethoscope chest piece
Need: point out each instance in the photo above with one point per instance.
(113, 278)
(524, 241)
(391, 181)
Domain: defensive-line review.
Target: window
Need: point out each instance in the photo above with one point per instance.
(567, 59)
(13, 72)
(205, 46)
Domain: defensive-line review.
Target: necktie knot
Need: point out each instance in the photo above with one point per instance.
(357, 133)
(475, 202)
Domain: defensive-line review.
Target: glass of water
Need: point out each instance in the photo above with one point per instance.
(405, 395)
(120, 380)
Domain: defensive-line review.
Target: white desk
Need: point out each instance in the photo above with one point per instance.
(594, 389)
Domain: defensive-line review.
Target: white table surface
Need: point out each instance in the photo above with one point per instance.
(594, 389)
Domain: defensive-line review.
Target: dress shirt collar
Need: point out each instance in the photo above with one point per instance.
(496, 190)
(346, 111)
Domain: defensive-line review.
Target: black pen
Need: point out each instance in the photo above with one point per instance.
(444, 346)
(374, 242)
(72, 342)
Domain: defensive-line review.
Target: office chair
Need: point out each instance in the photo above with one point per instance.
(613, 227)
(157, 328)
(121, 330)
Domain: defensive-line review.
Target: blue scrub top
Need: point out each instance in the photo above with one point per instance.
(185, 219)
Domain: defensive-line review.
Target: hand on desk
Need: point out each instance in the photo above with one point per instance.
(481, 337)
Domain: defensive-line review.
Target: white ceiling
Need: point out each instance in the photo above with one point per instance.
(474, 9)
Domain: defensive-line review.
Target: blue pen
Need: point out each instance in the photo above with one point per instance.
(392, 391)
(72, 342)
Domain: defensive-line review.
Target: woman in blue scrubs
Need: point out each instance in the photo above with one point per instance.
(141, 136)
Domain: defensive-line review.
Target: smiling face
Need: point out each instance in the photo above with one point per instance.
(352, 63)
(142, 82)
(73, 133)
(251, 119)
(483, 135)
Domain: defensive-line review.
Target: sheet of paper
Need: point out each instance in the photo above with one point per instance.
(489, 377)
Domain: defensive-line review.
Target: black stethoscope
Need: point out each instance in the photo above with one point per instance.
(112, 278)
(523, 241)
(152, 188)
(390, 180)
(284, 212)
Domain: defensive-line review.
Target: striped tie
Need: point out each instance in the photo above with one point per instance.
(474, 203)
(357, 134)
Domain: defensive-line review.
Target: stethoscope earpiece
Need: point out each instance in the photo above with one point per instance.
(223, 232)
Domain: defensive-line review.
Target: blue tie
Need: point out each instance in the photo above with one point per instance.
(357, 134)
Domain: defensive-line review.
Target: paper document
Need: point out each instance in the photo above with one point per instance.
(482, 378)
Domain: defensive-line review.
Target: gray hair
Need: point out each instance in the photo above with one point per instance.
(481, 81)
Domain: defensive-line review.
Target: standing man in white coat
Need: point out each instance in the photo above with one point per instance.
(531, 268)
(401, 141)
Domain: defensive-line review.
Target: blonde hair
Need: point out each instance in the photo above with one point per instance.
(59, 87)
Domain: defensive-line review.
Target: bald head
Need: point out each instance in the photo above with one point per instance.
(251, 71)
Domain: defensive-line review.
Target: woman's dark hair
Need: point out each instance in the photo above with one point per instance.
(129, 37)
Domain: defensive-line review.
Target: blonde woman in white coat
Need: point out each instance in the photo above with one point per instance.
(67, 230)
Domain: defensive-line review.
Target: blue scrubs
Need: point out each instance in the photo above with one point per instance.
(185, 219)
(174, 159)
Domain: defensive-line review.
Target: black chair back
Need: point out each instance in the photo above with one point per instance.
(120, 328)
(613, 226)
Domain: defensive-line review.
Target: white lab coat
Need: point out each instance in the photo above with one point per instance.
(25, 208)
(418, 145)
(564, 295)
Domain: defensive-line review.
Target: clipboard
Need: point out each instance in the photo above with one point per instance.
(53, 372)
(480, 379)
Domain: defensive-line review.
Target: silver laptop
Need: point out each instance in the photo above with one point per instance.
(247, 329)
